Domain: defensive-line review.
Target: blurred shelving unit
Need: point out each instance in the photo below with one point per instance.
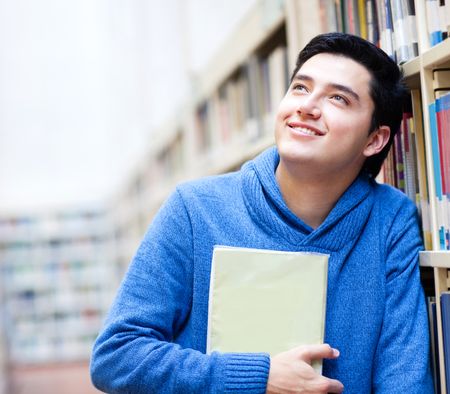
(228, 119)
(57, 281)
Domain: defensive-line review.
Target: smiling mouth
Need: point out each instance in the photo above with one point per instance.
(303, 130)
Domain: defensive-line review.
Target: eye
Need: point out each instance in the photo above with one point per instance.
(299, 87)
(339, 99)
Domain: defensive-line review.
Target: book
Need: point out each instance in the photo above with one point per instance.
(278, 76)
(405, 34)
(434, 343)
(372, 22)
(424, 201)
(433, 22)
(445, 314)
(266, 301)
(437, 172)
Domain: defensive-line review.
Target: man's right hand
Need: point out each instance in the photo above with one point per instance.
(291, 372)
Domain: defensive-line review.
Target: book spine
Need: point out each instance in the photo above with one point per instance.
(362, 14)
(445, 100)
(445, 314)
(447, 17)
(389, 30)
(421, 166)
(400, 31)
(437, 172)
(432, 317)
(339, 6)
(442, 19)
(224, 114)
(399, 163)
(350, 17)
(411, 28)
(410, 159)
(442, 131)
(434, 31)
(372, 22)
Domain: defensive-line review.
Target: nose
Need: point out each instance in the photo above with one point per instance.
(308, 107)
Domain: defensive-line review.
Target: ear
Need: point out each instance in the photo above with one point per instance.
(377, 141)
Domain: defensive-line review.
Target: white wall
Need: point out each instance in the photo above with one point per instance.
(83, 83)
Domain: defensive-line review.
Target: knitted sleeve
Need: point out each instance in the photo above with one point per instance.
(135, 352)
(402, 357)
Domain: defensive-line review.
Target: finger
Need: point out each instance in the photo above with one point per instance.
(317, 352)
(326, 385)
(335, 386)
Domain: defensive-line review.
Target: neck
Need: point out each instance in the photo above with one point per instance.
(309, 196)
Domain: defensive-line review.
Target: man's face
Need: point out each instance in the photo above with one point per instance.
(323, 121)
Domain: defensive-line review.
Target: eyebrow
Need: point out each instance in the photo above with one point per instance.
(338, 86)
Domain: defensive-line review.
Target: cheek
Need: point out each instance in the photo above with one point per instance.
(286, 107)
(347, 124)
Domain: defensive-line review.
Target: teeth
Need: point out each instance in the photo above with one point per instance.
(305, 131)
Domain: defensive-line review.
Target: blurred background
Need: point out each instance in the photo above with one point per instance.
(90, 91)
(105, 105)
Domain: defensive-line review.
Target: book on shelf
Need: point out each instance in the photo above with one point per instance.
(329, 13)
(437, 172)
(279, 76)
(445, 314)
(438, 20)
(442, 123)
(352, 17)
(423, 202)
(223, 114)
(253, 126)
(432, 319)
(441, 79)
(405, 33)
(373, 34)
(386, 27)
(203, 127)
(362, 16)
(405, 166)
(243, 107)
(265, 300)
(440, 129)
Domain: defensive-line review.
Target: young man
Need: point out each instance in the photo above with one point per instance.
(314, 192)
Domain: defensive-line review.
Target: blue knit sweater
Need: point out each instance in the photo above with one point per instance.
(154, 339)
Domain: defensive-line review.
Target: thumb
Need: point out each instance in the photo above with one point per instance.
(318, 352)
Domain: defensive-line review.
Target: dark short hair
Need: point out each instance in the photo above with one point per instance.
(387, 88)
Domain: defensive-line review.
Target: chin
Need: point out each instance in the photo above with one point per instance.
(290, 152)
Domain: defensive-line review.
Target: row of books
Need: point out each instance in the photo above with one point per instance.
(405, 165)
(242, 108)
(390, 24)
(440, 131)
(61, 225)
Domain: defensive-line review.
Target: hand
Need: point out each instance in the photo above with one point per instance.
(291, 372)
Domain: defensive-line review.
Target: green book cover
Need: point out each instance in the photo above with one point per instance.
(265, 300)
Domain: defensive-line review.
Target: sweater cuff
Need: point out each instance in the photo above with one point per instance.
(246, 372)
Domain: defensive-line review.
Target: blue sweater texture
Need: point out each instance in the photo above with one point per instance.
(154, 338)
